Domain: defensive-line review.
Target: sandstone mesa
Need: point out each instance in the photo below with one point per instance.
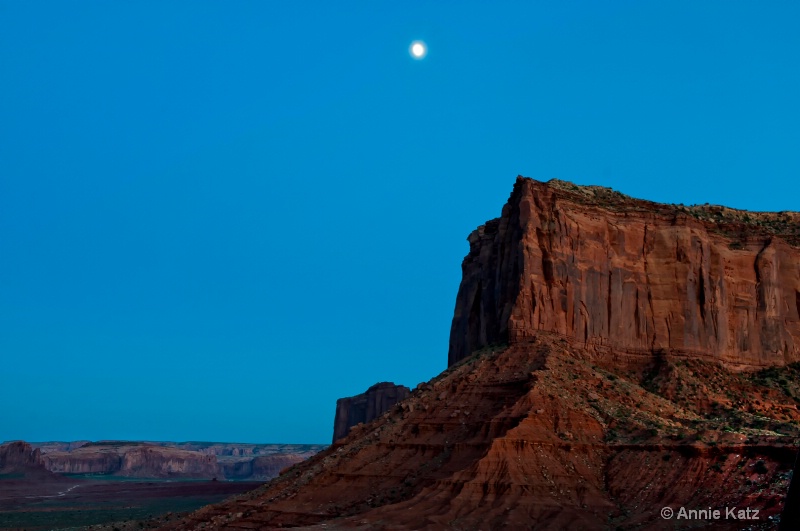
(608, 357)
(631, 277)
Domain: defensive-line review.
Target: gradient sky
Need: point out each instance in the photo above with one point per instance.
(216, 218)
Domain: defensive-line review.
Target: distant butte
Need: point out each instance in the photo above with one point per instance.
(366, 407)
(608, 357)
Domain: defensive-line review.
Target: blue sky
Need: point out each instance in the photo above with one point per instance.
(216, 218)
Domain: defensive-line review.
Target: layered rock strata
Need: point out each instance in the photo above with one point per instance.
(365, 407)
(190, 460)
(132, 460)
(630, 276)
(541, 436)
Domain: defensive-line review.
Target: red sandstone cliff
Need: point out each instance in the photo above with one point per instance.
(632, 276)
(366, 406)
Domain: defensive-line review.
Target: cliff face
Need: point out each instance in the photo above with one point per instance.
(633, 277)
(269, 466)
(159, 462)
(262, 467)
(366, 406)
(132, 460)
(19, 457)
(195, 460)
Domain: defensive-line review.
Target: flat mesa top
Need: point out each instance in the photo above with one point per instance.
(728, 221)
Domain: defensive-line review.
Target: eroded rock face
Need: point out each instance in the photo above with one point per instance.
(365, 407)
(196, 460)
(18, 457)
(132, 460)
(634, 277)
(262, 467)
(149, 461)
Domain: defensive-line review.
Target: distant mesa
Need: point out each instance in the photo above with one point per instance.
(190, 460)
(58, 446)
(367, 406)
(132, 460)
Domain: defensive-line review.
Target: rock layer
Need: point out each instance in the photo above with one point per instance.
(635, 277)
(366, 406)
(539, 435)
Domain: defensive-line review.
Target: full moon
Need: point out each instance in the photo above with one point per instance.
(418, 49)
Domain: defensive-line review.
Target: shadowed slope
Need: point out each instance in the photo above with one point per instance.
(543, 433)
